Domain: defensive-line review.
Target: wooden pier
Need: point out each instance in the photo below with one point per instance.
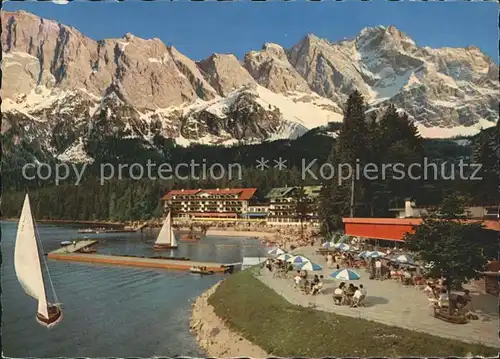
(73, 248)
(183, 265)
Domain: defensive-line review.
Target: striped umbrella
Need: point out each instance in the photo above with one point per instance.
(364, 254)
(298, 260)
(376, 254)
(343, 247)
(343, 238)
(284, 257)
(310, 266)
(276, 251)
(345, 274)
(404, 258)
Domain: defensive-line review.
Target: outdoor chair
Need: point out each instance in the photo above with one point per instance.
(317, 290)
(358, 302)
(338, 300)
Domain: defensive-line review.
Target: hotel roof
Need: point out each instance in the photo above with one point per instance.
(243, 193)
(280, 192)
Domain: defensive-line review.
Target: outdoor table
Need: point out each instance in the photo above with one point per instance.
(348, 298)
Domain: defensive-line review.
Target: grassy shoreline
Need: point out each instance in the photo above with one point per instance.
(266, 319)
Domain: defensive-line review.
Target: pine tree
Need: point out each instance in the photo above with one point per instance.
(350, 149)
(397, 142)
(487, 154)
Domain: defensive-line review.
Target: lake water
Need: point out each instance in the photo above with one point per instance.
(111, 311)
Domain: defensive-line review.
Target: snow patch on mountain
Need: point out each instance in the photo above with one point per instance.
(442, 132)
(308, 110)
(288, 130)
(39, 98)
(76, 154)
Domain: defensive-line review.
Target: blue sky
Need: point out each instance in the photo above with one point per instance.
(199, 29)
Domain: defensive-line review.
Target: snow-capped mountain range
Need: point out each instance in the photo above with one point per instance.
(55, 78)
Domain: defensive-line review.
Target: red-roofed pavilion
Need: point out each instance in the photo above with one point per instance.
(393, 229)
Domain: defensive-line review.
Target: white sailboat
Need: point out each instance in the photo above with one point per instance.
(29, 269)
(166, 238)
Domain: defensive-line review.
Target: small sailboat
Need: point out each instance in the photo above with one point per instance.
(166, 238)
(29, 269)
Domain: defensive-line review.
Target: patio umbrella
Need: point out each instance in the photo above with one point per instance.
(310, 266)
(364, 254)
(342, 239)
(345, 274)
(276, 251)
(284, 257)
(376, 254)
(343, 247)
(298, 260)
(403, 258)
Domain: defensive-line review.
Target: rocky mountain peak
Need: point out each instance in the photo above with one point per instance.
(128, 36)
(275, 50)
(225, 73)
(312, 39)
(270, 68)
(381, 38)
(158, 89)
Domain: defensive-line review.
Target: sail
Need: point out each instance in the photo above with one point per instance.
(27, 259)
(164, 237)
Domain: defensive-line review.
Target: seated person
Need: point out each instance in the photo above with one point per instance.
(356, 298)
(317, 287)
(338, 294)
(349, 293)
(315, 281)
(443, 297)
(407, 277)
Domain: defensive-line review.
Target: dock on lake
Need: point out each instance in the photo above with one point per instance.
(166, 263)
(72, 248)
